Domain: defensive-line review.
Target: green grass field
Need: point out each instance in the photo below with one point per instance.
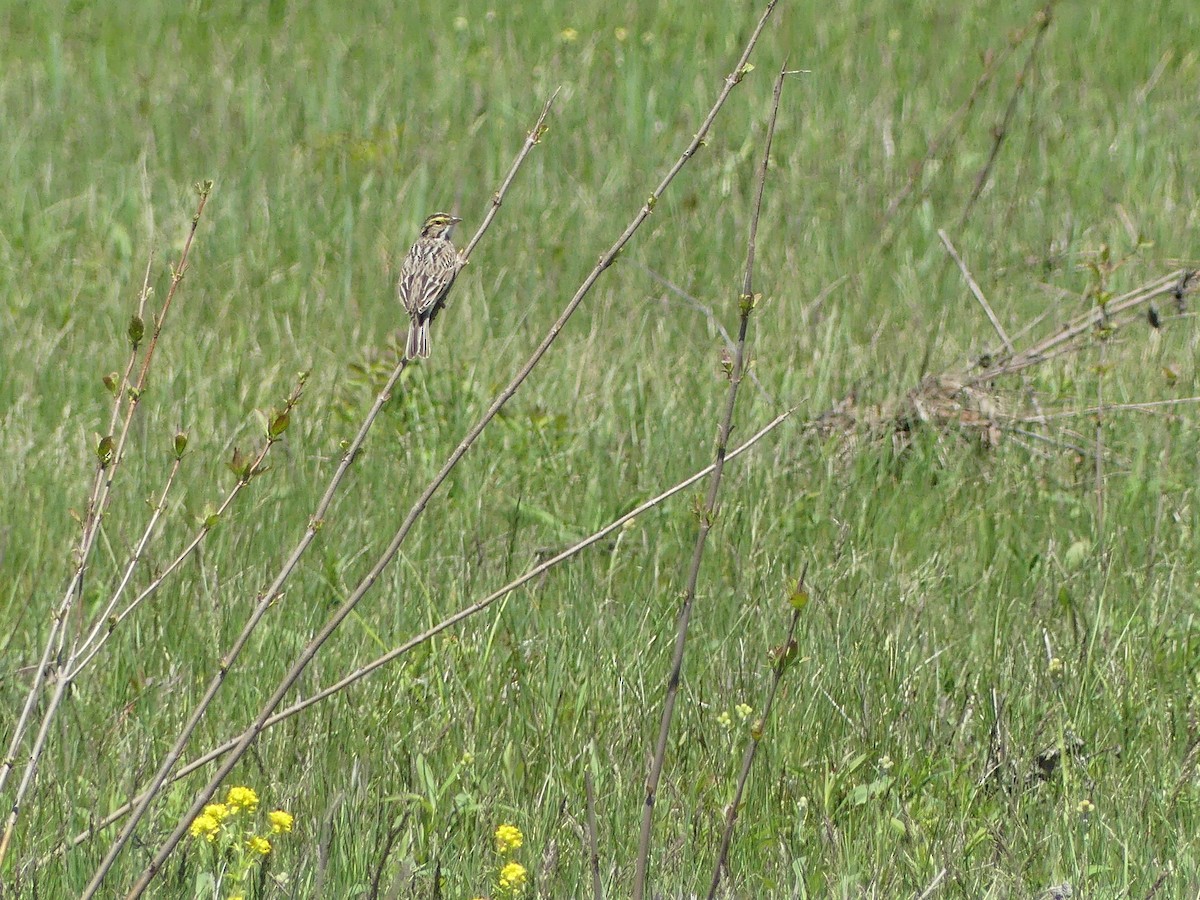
(995, 687)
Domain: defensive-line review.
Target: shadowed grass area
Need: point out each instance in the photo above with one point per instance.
(923, 727)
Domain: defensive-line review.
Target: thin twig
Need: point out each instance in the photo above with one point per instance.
(946, 139)
(977, 291)
(108, 464)
(707, 513)
(463, 614)
(1042, 22)
(1177, 284)
(55, 641)
(269, 597)
(1145, 406)
(1099, 460)
(711, 317)
(785, 656)
(781, 658)
(933, 885)
(135, 558)
(64, 678)
(531, 141)
(80, 659)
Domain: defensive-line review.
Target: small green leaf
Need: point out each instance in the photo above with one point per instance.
(239, 464)
(137, 329)
(105, 448)
(799, 598)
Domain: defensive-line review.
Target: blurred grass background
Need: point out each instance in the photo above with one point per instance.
(940, 573)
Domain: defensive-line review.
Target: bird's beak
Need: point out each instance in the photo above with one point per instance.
(454, 220)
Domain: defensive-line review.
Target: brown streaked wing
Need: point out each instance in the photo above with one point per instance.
(427, 273)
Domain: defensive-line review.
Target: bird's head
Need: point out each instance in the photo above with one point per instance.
(439, 225)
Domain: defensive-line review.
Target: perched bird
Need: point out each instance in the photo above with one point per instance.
(425, 279)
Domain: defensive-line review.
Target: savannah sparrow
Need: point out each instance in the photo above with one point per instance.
(425, 279)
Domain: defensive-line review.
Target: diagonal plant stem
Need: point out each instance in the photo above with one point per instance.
(54, 641)
(707, 515)
(96, 639)
(976, 291)
(272, 593)
(1177, 284)
(109, 461)
(781, 658)
(1041, 23)
(463, 614)
(422, 501)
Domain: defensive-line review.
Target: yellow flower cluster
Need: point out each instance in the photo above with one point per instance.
(238, 847)
(510, 881)
(242, 798)
(512, 878)
(218, 811)
(281, 822)
(204, 826)
(508, 839)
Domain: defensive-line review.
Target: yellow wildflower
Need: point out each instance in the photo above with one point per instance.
(259, 845)
(512, 878)
(281, 822)
(744, 710)
(508, 839)
(240, 798)
(620, 33)
(218, 811)
(569, 35)
(204, 826)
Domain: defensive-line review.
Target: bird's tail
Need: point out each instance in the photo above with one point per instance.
(418, 340)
